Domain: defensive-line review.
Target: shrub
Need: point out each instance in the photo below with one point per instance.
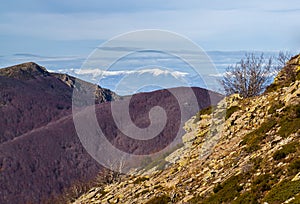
(164, 199)
(253, 139)
(196, 199)
(286, 150)
(256, 162)
(248, 197)
(248, 77)
(283, 191)
(289, 121)
(217, 188)
(294, 167)
(231, 110)
(205, 111)
(275, 107)
(262, 183)
(227, 191)
(140, 180)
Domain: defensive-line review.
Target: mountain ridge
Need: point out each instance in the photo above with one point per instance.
(251, 154)
(41, 154)
(25, 71)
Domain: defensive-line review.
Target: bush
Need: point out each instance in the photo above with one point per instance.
(263, 183)
(249, 77)
(205, 111)
(249, 197)
(283, 191)
(217, 188)
(140, 180)
(253, 139)
(196, 199)
(294, 167)
(289, 121)
(286, 150)
(275, 107)
(164, 199)
(231, 110)
(227, 191)
(256, 162)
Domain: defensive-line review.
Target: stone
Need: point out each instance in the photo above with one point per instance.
(297, 177)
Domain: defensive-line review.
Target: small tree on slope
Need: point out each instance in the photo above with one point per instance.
(249, 77)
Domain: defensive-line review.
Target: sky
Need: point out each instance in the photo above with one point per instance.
(60, 35)
(74, 27)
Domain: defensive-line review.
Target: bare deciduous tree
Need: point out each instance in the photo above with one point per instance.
(249, 77)
(282, 59)
(116, 168)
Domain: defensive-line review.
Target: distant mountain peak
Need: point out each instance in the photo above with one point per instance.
(28, 70)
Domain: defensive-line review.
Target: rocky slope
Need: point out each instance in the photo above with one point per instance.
(241, 151)
(40, 152)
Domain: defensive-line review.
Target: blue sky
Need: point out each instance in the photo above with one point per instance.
(75, 27)
(60, 35)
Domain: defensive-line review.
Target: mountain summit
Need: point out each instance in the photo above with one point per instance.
(40, 153)
(24, 71)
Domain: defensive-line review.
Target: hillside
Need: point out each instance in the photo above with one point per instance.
(240, 151)
(40, 153)
(37, 158)
(31, 97)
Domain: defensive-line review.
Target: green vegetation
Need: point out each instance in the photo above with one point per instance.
(217, 188)
(294, 167)
(164, 199)
(209, 110)
(263, 183)
(205, 111)
(291, 74)
(288, 127)
(290, 121)
(260, 184)
(246, 198)
(286, 150)
(253, 139)
(227, 191)
(274, 87)
(196, 199)
(275, 106)
(231, 190)
(283, 191)
(264, 186)
(256, 162)
(231, 110)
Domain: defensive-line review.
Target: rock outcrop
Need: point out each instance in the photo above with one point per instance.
(240, 151)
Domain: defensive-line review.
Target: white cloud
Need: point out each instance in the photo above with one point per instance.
(105, 73)
(217, 75)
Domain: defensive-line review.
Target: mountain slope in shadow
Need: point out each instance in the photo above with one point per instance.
(40, 152)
